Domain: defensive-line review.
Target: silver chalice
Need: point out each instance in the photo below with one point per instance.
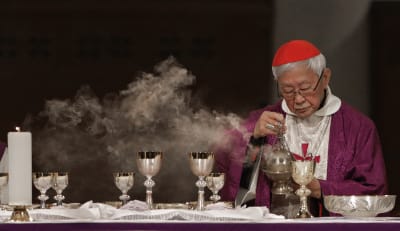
(124, 182)
(201, 164)
(59, 183)
(42, 182)
(215, 182)
(149, 164)
(303, 173)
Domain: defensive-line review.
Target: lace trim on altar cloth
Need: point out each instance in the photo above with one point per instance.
(97, 211)
(178, 215)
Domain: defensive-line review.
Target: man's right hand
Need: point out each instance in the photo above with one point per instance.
(269, 123)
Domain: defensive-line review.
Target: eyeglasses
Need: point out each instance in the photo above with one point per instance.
(303, 92)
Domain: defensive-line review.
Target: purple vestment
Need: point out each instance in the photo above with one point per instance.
(355, 160)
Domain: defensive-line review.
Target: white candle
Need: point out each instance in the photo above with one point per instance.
(20, 168)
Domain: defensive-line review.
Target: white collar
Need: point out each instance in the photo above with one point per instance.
(331, 105)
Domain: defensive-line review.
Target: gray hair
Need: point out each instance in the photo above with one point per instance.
(317, 64)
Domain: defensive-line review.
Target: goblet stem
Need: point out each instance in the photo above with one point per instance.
(124, 197)
(149, 184)
(43, 197)
(215, 197)
(303, 212)
(59, 198)
(201, 183)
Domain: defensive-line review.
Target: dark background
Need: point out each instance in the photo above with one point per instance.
(385, 75)
(48, 49)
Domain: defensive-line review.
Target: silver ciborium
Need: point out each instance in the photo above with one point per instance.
(303, 173)
(201, 164)
(149, 164)
(276, 164)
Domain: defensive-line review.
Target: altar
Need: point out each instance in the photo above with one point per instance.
(326, 224)
(99, 216)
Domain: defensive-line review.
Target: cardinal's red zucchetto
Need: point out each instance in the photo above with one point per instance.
(293, 51)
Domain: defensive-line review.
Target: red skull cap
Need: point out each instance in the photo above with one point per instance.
(293, 51)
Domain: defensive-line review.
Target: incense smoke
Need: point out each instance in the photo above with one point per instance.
(91, 137)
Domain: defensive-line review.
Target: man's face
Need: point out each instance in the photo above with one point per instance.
(302, 90)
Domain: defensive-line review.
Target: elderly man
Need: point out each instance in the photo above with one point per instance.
(347, 142)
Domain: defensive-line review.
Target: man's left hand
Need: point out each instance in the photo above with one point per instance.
(315, 188)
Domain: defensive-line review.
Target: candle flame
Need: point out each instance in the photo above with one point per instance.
(18, 129)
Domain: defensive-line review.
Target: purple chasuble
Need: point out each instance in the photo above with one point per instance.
(355, 160)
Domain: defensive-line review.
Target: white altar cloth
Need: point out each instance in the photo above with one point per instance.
(135, 211)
